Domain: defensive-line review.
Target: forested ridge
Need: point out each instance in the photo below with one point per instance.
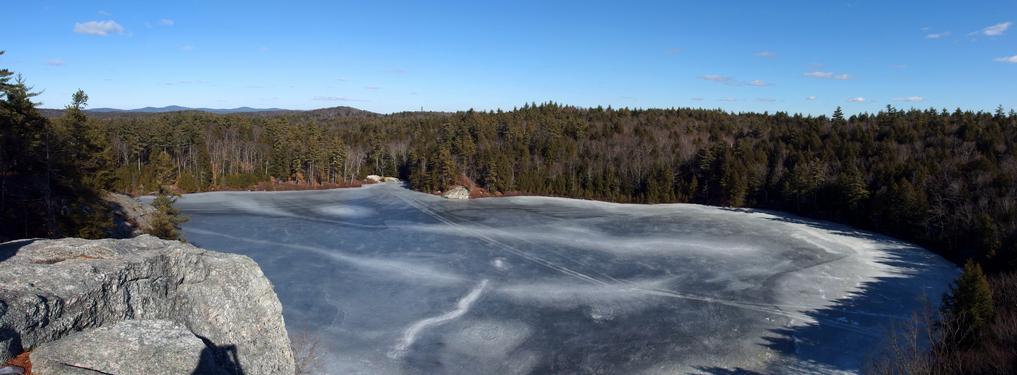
(944, 179)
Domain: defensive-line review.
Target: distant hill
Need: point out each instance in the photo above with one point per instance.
(176, 108)
(320, 113)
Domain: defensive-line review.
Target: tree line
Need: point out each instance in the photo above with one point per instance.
(944, 179)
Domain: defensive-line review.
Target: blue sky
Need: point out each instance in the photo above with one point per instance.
(794, 56)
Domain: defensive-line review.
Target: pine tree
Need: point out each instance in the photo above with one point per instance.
(90, 160)
(165, 173)
(838, 115)
(166, 222)
(968, 309)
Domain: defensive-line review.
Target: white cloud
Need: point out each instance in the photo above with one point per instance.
(1007, 59)
(372, 88)
(166, 22)
(728, 99)
(810, 97)
(766, 100)
(938, 35)
(716, 78)
(55, 62)
(105, 13)
(995, 30)
(857, 100)
(827, 75)
(727, 80)
(765, 54)
(910, 99)
(100, 28)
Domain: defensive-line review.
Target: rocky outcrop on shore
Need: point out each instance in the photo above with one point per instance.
(78, 304)
(457, 192)
(131, 216)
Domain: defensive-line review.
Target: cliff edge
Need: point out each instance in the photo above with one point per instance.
(217, 311)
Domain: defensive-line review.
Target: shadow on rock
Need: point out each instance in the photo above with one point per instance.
(10, 249)
(218, 359)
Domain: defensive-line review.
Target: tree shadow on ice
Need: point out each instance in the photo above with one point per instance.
(859, 323)
(724, 371)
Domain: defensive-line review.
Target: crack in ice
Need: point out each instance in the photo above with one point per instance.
(410, 334)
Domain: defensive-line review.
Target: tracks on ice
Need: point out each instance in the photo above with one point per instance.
(410, 334)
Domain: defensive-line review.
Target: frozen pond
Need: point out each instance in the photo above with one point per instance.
(400, 282)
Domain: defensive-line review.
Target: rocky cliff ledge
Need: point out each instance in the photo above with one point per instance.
(98, 306)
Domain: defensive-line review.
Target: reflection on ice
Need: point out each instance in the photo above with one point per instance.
(398, 282)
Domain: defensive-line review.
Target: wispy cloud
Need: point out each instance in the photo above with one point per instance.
(937, 35)
(263, 49)
(1007, 59)
(697, 99)
(716, 78)
(372, 88)
(166, 22)
(728, 99)
(810, 97)
(766, 100)
(396, 71)
(994, 30)
(673, 51)
(186, 47)
(766, 54)
(104, 13)
(827, 75)
(55, 62)
(100, 28)
(337, 99)
(857, 100)
(910, 99)
(727, 80)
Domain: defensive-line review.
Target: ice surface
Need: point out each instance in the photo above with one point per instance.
(399, 282)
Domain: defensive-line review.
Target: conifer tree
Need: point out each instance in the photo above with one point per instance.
(166, 222)
(838, 116)
(968, 309)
